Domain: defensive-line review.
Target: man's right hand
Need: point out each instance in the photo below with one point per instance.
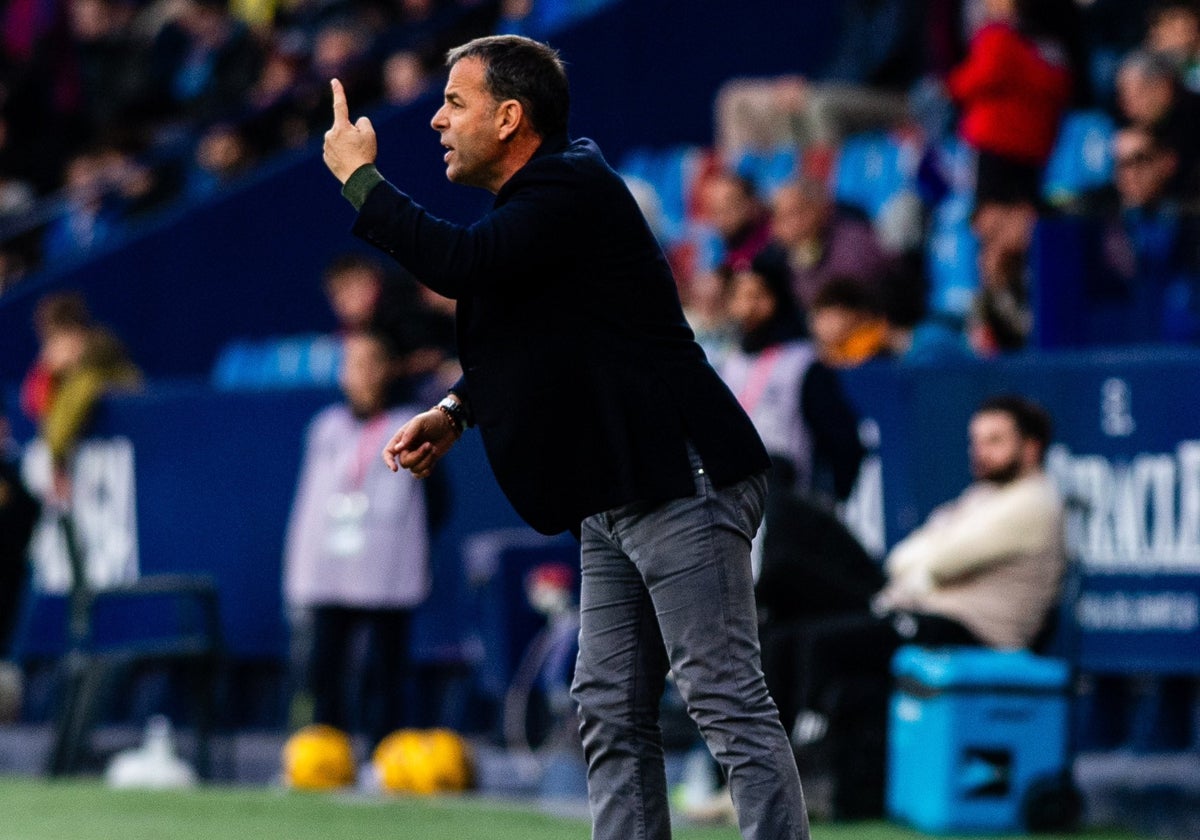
(420, 443)
(348, 145)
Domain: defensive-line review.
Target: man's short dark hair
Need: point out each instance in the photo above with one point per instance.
(525, 70)
(847, 292)
(1032, 421)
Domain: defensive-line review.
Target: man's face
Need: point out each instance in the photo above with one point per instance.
(997, 450)
(365, 373)
(468, 124)
(1176, 32)
(751, 304)
(353, 295)
(832, 328)
(796, 218)
(1143, 99)
(727, 207)
(1143, 171)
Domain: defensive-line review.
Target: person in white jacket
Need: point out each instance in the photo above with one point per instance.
(357, 553)
(985, 569)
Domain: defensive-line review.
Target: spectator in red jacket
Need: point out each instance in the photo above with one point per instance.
(1013, 88)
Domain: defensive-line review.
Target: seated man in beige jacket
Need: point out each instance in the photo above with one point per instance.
(985, 569)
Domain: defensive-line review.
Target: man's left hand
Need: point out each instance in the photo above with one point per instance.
(347, 145)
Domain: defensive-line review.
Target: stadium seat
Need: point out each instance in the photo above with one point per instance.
(179, 625)
(951, 253)
(872, 168)
(949, 773)
(1082, 158)
(768, 170)
(672, 173)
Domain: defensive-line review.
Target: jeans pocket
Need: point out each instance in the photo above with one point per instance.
(749, 498)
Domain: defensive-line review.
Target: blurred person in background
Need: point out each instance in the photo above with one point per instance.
(848, 324)
(53, 313)
(1151, 96)
(356, 561)
(108, 62)
(85, 363)
(731, 205)
(983, 570)
(90, 217)
(1001, 317)
(807, 562)
(340, 49)
(823, 241)
(702, 294)
(405, 78)
(106, 187)
(914, 337)
(202, 63)
(796, 402)
(1174, 32)
(274, 116)
(222, 154)
(1016, 83)
(1150, 250)
(363, 294)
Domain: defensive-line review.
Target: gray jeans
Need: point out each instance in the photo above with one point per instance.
(669, 586)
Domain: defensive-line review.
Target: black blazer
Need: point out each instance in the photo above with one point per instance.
(578, 366)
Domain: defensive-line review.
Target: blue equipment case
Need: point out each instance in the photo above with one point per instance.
(974, 734)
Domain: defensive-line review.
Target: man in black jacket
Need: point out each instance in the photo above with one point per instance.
(600, 416)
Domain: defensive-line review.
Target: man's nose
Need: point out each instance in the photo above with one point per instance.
(438, 120)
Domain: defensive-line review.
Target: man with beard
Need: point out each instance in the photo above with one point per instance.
(983, 570)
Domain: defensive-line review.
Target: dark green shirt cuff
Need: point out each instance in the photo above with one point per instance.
(359, 185)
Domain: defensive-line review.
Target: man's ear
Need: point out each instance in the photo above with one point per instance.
(509, 115)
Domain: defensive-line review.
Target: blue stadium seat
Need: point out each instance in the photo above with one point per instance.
(671, 172)
(1082, 158)
(951, 258)
(872, 168)
(769, 170)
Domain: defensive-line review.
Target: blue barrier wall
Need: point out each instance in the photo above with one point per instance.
(214, 475)
(1127, 456)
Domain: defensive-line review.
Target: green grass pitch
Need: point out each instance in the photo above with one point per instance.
(75, 810)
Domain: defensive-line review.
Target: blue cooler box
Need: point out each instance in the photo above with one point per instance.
(970, 730)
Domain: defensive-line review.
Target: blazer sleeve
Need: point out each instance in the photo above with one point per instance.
(513, 244)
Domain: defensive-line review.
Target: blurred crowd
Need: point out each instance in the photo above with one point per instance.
(110, 109)
(977, 92)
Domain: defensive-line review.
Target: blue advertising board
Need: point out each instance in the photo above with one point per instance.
(212, 475)
(1126, 456)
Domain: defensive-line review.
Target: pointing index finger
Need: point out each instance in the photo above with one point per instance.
(341, 111)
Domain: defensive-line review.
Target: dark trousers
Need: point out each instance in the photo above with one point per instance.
(862, 645)
(369, 698)
(844, 672)
(670, 586)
